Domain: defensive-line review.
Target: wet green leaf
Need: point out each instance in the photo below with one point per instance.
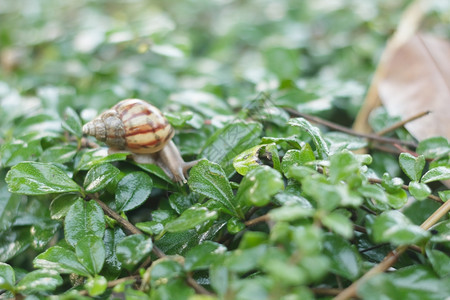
(39, 281)
(61, 260)
(9, 205)
(415, 282)
(61, 204)
(300, 157)
(58, 154)
(339, 224)
(98, 156)
(96, 285)
(99, 176)
(7, 277)
(434, 147)
(14, 152)
(230, 141)
(392, 226)
(190, 218)
(345, 258)
(112, 266)
(82, 219)
(32, 178)
(132, 249)
(72, 122)
(436, 174)
(314, 133)
(411, 165)
(208, 179)
(419, 190)
(91, 253)
(203, 255)
(258, 186)
(133, 190)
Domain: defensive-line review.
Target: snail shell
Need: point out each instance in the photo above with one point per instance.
(133, 125)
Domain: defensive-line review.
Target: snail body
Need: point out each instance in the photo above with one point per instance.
(138, 127)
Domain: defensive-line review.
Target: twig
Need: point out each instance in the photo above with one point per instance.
(402, 123)
(263, 218)
(197, 287)
(326, 291)
(373, 137)
(126, 224)
(392, 257)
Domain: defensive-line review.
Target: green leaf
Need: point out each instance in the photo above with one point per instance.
(39, 281)
(190, 218)
(397, 199)
(289, 213)
(204, 255)
(91, 253)
(84, 218)
(391, 184)
(112, 266)
(42, 233)
(58, 154)
(132, 249)
(176, 288)
(412, 166)
(61, 204)
(14, 241)
(440, 262)
(343, 165)
(247, 160)
(392, 226)
(99, 176)
(14, 152)
(7, 277)
(235, 225)
(151, 227)
(9, 206)
(433, 147)
(32, 178)
(415, 282)
(228, 142)
(300, 157)
(96, 285)
(61, 260)
(72, 122)
(98, 156)
(259, 185)
(374, 192)
(436, 174)
(419, 190)
(208, 179)
(314, 133)
(345, 258)
(133, 190)
(339, 141)
(339, 224)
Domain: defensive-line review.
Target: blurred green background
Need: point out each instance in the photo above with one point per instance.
(311, 55)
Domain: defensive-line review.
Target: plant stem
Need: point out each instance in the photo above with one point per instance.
(373, 137)
(402, 123)
(392, 257)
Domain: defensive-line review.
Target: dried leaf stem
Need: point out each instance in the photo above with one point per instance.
(392, 257)
(402, 123)
(372, 137)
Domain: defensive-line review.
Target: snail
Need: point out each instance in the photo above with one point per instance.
(138, 127)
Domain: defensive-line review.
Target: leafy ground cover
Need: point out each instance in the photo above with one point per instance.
(282, 205)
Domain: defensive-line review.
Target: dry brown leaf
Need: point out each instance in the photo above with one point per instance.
(416, 79)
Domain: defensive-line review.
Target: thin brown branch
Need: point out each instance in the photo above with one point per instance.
(402, 123)
(393, 256)
(372, 137)
(126, 224)
(326, 291)
(197, 287)
(263, 218)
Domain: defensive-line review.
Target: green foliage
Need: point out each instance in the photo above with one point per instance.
(276, 208)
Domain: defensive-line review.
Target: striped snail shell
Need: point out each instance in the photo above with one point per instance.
(139, 127)
(133, 125)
